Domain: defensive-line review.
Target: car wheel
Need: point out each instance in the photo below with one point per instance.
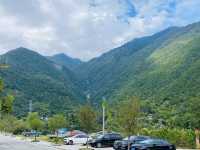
(71, 142)
(99, 145)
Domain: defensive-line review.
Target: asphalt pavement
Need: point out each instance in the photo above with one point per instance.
(14, 143)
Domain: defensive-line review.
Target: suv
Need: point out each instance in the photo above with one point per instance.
(153, 144)
(123, 144)
(106, 140)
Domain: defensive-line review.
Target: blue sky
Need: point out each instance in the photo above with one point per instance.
(87, 28)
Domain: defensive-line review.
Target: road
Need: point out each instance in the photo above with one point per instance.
(13, 143)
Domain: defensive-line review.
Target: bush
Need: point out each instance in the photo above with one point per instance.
(180, 137)
(10, 124)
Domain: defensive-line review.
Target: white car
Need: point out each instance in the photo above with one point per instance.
(77, 139)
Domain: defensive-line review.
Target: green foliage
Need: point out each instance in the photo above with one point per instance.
(190, 113)
(20, 127)
(34, 121)
(11, 124)
(8, 123)
(41, 108)
(163, 68)
(56, 122)
(128, 115)
(39, 80)
(1, 85)
(87, 118)
(180, 137)
(7, 104)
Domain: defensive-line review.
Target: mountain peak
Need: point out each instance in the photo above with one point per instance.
(65, 56)
(21, 50)
(65, 60)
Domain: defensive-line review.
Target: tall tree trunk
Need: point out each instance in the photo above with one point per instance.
(56, 136)
(197, 132)
(129, 144)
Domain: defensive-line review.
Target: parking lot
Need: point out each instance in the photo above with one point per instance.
(77, 147)
(13, 143)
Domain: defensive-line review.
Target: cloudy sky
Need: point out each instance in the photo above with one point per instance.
(87, 28)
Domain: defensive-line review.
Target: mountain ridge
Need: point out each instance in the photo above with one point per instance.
(162, 67)
(64, 60)
(34, 77)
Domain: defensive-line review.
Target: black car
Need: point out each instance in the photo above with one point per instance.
(123, 144)
(153, 144)
(106, 140)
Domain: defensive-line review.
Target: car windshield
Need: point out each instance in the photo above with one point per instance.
(136, 138)
(100, 136)
(129, 138)
(151, 141)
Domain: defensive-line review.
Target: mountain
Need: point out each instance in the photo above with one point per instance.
(64, 60)
(161, 68)
(164, 66)
(35, 78)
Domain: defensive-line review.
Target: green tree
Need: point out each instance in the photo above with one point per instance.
(41, 108)
(87, 118)
(20, 126)
(8, 123)
(34, 122)
(7, 104)
(56, 122)
(111, 119)
(128, 115)
(192, 116)
(1, 85)
(11, 124)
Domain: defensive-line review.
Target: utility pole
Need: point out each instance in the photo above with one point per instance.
(103, 107)
(30, 106)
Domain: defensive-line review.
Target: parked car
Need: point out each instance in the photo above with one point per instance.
(123, 144)
(61, 132)
(153, 144)
(31, 133)
(106, 140)
(73, 133)
(77, 139)
(96, 134)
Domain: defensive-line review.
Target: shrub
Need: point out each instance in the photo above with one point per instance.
(180, 137)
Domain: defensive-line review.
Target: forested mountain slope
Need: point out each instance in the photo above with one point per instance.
(34, 77)
(64, 60)
(162, 66)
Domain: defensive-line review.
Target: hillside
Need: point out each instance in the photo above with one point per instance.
(34, 77)
(64, 60)
(163, 66)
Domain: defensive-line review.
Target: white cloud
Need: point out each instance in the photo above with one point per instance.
(87, 28)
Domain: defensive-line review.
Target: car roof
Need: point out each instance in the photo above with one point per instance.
(111, 133)
(80, 134)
